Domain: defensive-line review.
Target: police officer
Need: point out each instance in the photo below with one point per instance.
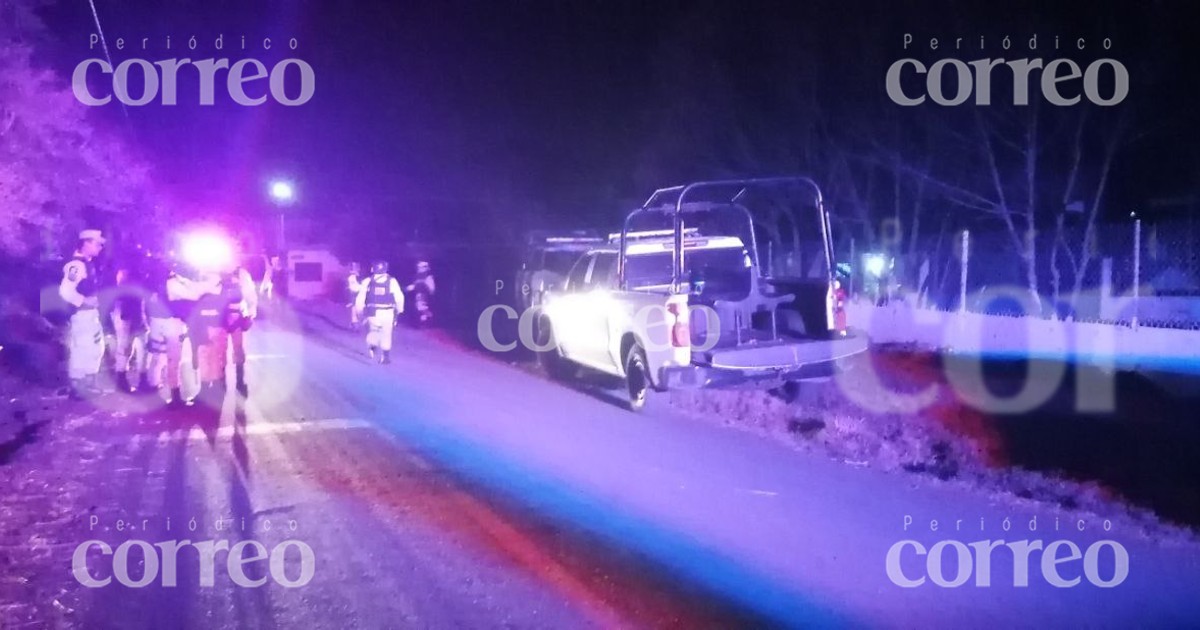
(127, 320)
(205, 324)
(380, 299)
(239, 304)
(353, 286)
(170, 307)
(422, 288)
(85, 336)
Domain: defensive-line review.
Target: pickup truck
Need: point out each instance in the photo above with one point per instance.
(687, 307)
(546, 260)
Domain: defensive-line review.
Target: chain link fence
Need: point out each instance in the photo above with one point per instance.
(1135, 272)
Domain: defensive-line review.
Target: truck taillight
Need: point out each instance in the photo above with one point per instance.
(835, 300)
(681, 335)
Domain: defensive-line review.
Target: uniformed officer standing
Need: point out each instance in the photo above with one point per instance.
(127, 317)
(380, 299)
(353, 286)
(85, 336)
(422, 288)
(170, 307)
(205, 323)
(239, 299)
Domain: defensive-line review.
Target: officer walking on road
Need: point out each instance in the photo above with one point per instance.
(381, 300)
(422, 288)
(85, 335)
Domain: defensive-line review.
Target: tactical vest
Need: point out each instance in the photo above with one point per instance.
(210, 310)
(379, 294)
(421, 283)
(231, 291)
(86, 287)
(180, 309)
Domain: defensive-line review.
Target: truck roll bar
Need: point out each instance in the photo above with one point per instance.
(742, 185)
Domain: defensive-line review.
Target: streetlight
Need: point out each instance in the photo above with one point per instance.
(283, 193)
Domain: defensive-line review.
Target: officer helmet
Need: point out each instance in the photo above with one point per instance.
(379, 266)
(422, 266)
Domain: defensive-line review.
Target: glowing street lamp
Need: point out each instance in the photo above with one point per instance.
(282, 191)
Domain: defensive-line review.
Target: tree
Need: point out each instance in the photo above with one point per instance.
(54, 163)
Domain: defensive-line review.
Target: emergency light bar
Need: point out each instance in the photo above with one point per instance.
(574, 239)
(207, 251)
(634, 236)
(715, 242)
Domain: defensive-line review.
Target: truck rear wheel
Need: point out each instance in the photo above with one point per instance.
(637, 378)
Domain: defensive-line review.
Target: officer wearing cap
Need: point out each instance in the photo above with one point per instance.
(85, 336)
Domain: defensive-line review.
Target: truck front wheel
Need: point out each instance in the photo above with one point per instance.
(550, 359)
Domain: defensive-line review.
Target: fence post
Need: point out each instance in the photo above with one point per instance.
(853, 267)
(966, 257)
(1137, 268)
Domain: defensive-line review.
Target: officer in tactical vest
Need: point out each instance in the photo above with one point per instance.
(380, 300)
(239, 306)
(173, 304)
(422, 288)
(85, 335)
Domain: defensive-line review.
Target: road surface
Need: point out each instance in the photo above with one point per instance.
(451, 489)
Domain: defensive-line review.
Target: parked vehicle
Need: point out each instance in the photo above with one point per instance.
(547, 259)
(686, 307)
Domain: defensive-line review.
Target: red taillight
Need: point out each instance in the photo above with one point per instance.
(839, 307)
(681, 335)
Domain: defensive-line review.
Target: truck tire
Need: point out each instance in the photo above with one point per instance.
(806, 392)
(552, 362)
(638, 389)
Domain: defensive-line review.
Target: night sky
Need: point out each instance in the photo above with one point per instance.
(561, 104)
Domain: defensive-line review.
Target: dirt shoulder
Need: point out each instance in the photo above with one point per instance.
(903, 410)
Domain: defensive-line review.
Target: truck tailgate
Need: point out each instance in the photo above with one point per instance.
(784, 355)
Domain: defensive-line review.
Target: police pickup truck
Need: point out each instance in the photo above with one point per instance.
(545, 262)
(688, 307)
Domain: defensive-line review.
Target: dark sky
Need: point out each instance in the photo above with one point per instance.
(521, 100)
(423, 100)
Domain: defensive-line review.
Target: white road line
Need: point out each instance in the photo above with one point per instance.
(261, 427)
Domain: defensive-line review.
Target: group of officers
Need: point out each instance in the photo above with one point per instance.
(144, 317)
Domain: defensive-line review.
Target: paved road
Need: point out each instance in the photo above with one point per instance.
(453, 490)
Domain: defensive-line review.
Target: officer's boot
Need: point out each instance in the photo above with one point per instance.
(387, 357)
(144, 386)
(240, 369)
(177, 400)
(123, 384)
(77, 389)
(372, 353)
(93, 385)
